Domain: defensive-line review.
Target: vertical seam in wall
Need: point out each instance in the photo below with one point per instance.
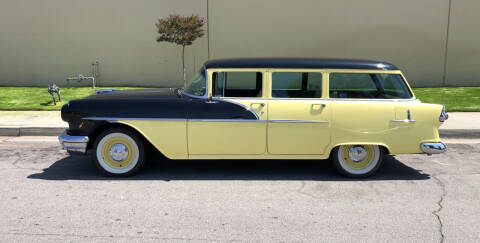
(446, 44)
(208, 33)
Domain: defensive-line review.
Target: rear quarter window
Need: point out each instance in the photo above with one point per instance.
(368, 86)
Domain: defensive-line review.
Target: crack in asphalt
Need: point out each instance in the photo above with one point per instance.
(304, 193)
(15, 164)
(436, 212)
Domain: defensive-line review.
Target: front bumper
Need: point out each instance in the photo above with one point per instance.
(74, 143)
(433, 148)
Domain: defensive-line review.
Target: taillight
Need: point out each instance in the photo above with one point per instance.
(443, 115)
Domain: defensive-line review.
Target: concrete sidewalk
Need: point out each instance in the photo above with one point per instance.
(461, 125)
(31, 123)
(49, 123)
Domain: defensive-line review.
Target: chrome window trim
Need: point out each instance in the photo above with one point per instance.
(195, 96)
(323, 73)
(407, 85)
(206, 87)
(297, 121)
(310, 99)
(240, 98)
(319, 99)
(223, 94)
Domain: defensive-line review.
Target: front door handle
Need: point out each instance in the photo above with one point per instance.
(261, 104)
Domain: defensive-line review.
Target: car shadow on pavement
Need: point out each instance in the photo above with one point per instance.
(76, 167)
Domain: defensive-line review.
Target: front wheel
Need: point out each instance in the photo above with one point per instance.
(357, 161)
(118, 152)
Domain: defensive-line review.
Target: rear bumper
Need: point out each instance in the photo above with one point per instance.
(433, 148)
(73, 143)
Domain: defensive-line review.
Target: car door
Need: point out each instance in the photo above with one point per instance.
(232, 136)
(370, 107)
(298, 116)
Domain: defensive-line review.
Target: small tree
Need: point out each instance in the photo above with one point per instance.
(181, 30)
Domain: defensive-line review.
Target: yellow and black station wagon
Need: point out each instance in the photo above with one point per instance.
(351, 111)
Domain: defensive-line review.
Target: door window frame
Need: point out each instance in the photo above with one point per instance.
(267, 82)
(259, 70)
(324, 73)
(368, 71)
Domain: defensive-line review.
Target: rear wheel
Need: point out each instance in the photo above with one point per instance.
(357, 160)
(118, 152)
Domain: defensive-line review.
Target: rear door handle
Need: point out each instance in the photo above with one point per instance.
(404, 121)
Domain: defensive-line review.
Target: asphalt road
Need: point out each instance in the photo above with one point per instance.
(47, 195)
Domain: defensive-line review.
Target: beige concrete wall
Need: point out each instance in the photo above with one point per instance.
(463, 58)
(45, 41)
(409, 33)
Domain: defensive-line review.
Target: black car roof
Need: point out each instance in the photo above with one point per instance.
(298, 63)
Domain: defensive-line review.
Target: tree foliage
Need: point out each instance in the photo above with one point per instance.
(181, 30)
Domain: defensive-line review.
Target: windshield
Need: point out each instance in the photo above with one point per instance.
(197, 85)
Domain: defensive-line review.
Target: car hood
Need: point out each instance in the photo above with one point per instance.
(134, 94)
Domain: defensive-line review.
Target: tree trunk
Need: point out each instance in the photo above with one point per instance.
(183, 68)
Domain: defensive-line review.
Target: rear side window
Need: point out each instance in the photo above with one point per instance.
(237, 84)
(296, 85)
(368, 86)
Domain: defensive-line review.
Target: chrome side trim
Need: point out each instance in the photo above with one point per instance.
(131, 119)
(240, 104)
(373, 100)
(73, 143)
(404, 120)
(433, 148)
(115, 119)
(296, 121)
(225, 120)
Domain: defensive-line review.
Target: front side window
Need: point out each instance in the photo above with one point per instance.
(237, 84)
(368, 86)
(197, 86)
(296, 85)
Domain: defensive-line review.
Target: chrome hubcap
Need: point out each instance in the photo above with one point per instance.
(118, 152)
(357, 153)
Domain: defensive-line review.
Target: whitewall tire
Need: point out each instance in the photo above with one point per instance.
(118, 152)
(357, 160)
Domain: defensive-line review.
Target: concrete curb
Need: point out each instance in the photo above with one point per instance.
(55, 131)
(31, 131)
(459, 133)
